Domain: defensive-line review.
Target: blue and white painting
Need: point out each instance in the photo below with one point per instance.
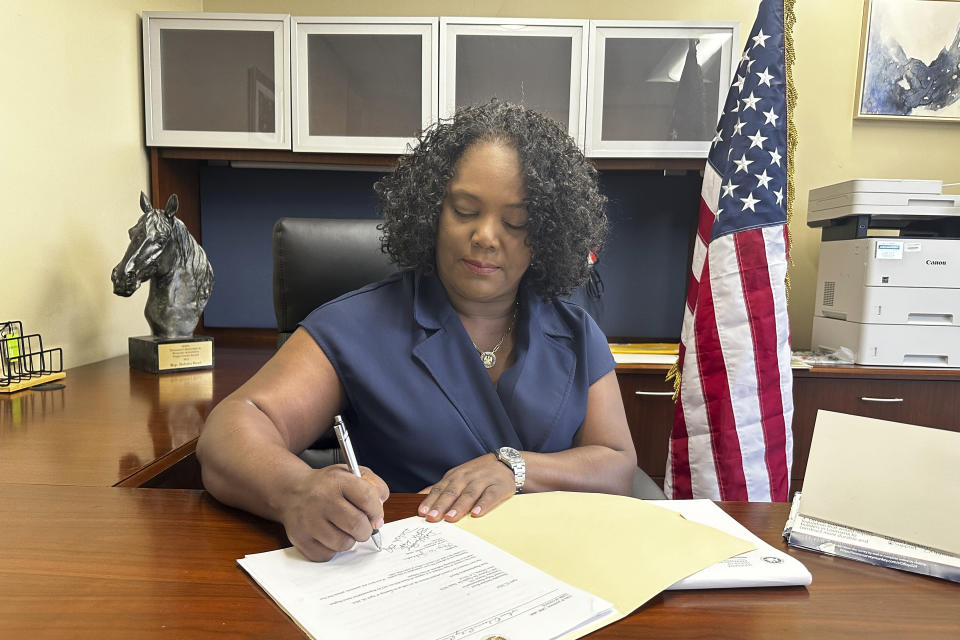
(912, 63)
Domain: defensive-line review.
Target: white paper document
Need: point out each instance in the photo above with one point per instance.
(845, 542)
(432, 581)
(765, 566)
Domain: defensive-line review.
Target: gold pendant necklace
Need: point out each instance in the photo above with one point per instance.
(489, 358)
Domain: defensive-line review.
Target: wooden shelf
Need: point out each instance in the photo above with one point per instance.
(649, 164)
(389, 160)
(278, 156)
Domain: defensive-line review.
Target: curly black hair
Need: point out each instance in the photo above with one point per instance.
(566, 211)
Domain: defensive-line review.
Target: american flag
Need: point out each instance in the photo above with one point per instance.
(731, 436)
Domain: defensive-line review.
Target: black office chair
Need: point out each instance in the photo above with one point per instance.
(314, 261)
(318, 259)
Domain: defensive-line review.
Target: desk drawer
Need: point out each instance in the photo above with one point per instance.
(648, 401)
(928, 403)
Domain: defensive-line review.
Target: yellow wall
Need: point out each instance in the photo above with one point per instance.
(72, 165)
(72, 161)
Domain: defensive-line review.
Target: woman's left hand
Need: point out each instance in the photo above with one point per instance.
(474, 487)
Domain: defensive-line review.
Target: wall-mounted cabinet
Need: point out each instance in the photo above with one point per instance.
(623, 89)
(363, 85)
(216, 80)
(656, 88)
(537, 62)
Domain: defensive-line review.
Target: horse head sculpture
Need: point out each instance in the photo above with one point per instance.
(162, 251)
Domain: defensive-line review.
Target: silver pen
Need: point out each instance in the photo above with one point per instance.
(347, 449)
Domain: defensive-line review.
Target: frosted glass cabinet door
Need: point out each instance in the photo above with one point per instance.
(655, 89)
(216, 80)
(363, 85)
(538, 63)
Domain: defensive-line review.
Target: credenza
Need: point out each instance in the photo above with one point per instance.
(926, 397)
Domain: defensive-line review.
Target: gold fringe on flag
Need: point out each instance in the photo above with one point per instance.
(789, 53)
(789, 56)
(673, 375)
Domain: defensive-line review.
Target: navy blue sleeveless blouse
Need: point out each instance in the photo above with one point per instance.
(420, 401)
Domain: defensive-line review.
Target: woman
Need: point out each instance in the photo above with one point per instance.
(463, 377)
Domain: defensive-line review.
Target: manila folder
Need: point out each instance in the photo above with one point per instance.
(887, 478)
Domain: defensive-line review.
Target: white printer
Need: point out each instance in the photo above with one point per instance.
(888, 284)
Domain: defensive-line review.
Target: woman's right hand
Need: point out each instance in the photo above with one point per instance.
(330, 509)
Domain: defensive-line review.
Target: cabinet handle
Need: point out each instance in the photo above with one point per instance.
(655, 393)
(866, 399)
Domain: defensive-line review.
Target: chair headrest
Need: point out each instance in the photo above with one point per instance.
(318, 259)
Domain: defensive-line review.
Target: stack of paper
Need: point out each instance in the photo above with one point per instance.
(548, 565)
(645, 352)
(881, 492)
(765, 566)
(430, 580)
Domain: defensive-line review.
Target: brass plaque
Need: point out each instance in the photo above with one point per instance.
(179, 355)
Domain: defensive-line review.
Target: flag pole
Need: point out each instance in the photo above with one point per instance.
(789, 53)
(731, 436)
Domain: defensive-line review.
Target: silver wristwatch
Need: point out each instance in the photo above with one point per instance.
(512, 458)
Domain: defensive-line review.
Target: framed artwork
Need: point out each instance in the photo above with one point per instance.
(910, 60)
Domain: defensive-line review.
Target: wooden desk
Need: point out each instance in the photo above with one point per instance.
(108, 562)
(112, 425)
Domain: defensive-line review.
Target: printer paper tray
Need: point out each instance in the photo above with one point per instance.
(892, 345)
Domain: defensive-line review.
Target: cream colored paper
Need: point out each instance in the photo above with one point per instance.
(618, 548)
(887, 478)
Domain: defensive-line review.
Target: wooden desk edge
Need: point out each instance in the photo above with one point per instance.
(152, 473)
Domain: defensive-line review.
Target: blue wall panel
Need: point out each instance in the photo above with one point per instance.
(644, 268)
(238, 208)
